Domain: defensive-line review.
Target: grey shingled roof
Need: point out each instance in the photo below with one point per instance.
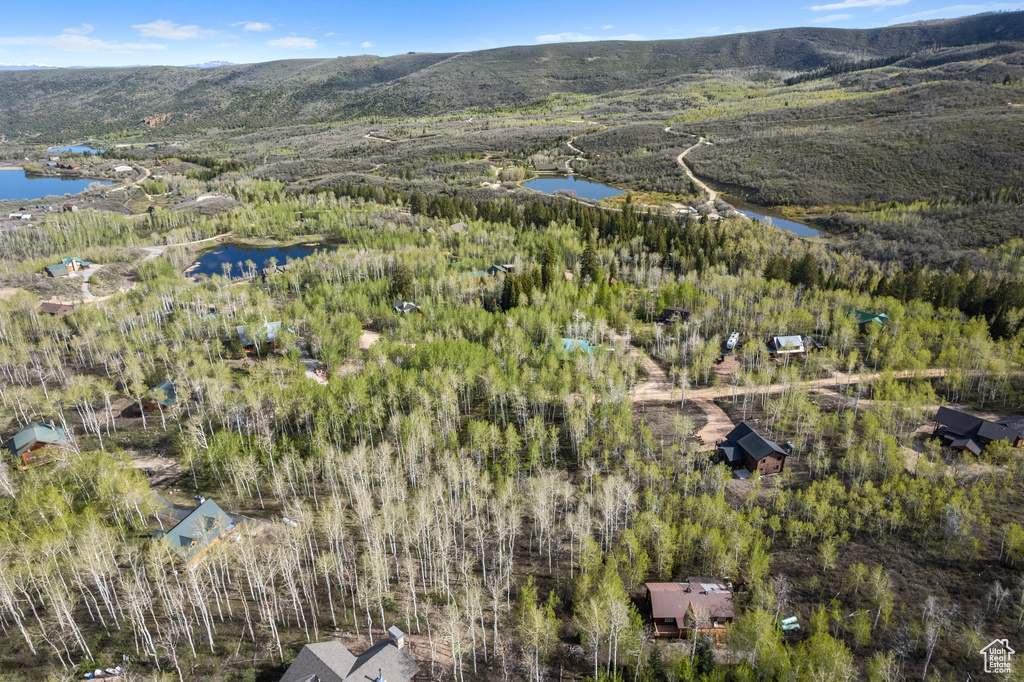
(964, 430)
(323, 662)
(333, 662)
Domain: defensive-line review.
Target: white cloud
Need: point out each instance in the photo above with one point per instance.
(293, 43)
(328, 35)
(253, 26)
(367, 44)
(607, 27)
(168, 30)
(958, 11)
(832, 18)
(570, 37)
(80, 30)
(69, 42)
(850, 4)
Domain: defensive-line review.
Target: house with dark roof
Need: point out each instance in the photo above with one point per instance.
(747, 451)
(195, 534)
(388, 660)
(670, 314)
(162, 396)
(704, 605)
(962, 431)
(38, 444)
(405, 307)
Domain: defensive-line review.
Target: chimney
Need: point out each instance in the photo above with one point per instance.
(396, 636)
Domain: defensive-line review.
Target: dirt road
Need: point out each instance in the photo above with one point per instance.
(712, 194)
(658, 388)
(650, 390)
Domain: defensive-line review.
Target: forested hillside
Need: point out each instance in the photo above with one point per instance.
(178, 99)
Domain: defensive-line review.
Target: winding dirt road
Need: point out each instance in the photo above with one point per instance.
(712, 194)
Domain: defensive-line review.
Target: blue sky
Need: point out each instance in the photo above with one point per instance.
(187, 31)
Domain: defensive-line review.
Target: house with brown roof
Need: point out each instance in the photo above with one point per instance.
(702, 605)
(56, 309)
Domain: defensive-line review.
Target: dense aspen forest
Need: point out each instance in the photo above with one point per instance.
(502, 498)
(319, 368)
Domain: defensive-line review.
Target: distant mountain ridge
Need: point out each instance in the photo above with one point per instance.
(24, 67)
(250, 96)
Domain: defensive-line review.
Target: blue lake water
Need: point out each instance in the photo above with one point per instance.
(759, 213)
(583, 189)
(77, 149)
(212, 262)
(16, 186)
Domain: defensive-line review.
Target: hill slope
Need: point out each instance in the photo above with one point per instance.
(180, 99)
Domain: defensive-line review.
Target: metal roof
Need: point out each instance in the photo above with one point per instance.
(36, 433)
(270, 332)
(195, 533)
(163, 394)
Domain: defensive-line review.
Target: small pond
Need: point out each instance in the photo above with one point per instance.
(212, 262)
(762, 214)
(77, 149)
(15, 185)
(583, 189)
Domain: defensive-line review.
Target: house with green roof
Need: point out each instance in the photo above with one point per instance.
(195, 534)
(66, 266)
(271, 330)
(573, 345)
(161, 396)
(865, 319)
(38, 444)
